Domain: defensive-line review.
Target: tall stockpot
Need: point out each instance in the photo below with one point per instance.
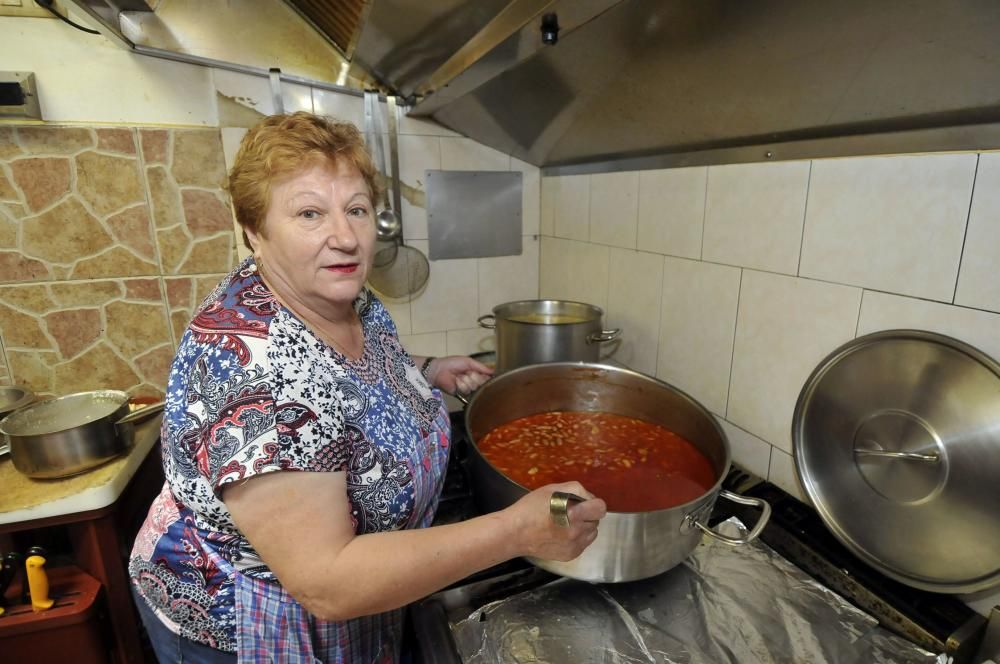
(539, 331)
(629, 545)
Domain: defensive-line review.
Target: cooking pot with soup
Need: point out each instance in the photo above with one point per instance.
(655, 455)
(538, 331)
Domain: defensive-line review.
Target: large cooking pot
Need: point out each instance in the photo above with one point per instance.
(68, 435)
(629, 545)
(538, 331)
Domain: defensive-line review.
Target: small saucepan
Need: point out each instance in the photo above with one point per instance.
(72, 434)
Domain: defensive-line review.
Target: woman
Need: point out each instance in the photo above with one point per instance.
(303, 449)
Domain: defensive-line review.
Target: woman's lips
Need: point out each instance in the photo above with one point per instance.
(345, 268)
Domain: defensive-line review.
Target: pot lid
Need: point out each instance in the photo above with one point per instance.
(897, 442)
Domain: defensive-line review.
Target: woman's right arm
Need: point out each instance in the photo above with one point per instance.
(300, 524)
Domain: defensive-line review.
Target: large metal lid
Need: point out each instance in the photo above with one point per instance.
(897, 443)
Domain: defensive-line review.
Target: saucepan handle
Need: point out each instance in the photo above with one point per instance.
(140, 414)
(604, 335)
(125, 426)
(489, 321)
(765, 514)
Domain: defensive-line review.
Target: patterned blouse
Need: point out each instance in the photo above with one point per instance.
(253, 391)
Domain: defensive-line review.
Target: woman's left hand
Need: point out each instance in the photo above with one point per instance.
(457, 373)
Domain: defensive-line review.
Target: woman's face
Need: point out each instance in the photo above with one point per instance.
(318, 236)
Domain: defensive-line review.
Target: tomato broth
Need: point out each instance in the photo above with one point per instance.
(633, 465)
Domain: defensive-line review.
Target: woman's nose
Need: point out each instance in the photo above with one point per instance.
(341, 234)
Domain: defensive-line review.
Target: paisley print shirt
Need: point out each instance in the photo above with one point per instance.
(253, 391)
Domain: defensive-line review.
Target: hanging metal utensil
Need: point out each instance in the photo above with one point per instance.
(386, 234)
(407, 271)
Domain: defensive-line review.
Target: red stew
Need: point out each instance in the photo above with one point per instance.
(633, 465)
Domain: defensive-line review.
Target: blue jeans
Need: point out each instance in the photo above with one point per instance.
(170, 647)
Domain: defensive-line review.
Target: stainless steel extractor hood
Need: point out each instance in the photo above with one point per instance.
(645, 83)
(631, 84)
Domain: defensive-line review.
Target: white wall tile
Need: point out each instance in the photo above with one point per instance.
(86, 78)
(530, 195)
(464, 154)
(782, 474)
(254, 94)
(417, 155)
(231, 137)
(571, 270)
(697, 323)
(570, 200)
(614, 208)
(634, 294)
(889, 223)
(881, 311)
(434, 344)
(399, 311)
(754, 213)
(978, 285)
(344, 107)
(547, 205)
(749, 451)
(672, 211)
(467, 342)
(785, 327)
(509, 278)
(450, 299)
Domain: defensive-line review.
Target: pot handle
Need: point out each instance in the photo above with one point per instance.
(125, 426)
(489, 321)
(765, 515)
(604, 335)
(140, 414)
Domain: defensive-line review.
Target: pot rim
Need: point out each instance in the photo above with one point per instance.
(594, 312)
(693, 503)
(14, 423)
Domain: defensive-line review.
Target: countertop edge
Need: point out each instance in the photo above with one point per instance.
(147, 434)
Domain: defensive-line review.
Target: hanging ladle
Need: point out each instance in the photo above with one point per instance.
(387, 224)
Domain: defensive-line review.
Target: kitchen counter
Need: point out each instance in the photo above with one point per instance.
(26, 499)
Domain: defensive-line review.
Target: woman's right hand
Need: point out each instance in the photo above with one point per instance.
(538, 533)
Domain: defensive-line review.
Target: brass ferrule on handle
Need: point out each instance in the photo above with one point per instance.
(559, 506)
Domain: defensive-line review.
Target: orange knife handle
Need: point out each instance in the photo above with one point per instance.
(38, 583)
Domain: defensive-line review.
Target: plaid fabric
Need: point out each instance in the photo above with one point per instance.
(274, 628)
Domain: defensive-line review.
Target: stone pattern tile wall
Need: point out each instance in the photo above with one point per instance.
(108, 239)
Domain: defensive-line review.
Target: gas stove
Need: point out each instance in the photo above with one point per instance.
(934, 622)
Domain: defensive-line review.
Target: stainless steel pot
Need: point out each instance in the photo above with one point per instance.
(629, 545)
(68, 435)
(539, 331)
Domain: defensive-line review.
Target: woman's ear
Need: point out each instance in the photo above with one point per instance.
(252, 238)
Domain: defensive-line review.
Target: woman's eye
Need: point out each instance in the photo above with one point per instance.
(358, 211)
(309, 214)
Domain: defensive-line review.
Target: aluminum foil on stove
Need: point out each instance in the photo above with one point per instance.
(742, 605)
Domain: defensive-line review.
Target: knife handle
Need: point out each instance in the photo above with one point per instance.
(8, 570)
(38, 582)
